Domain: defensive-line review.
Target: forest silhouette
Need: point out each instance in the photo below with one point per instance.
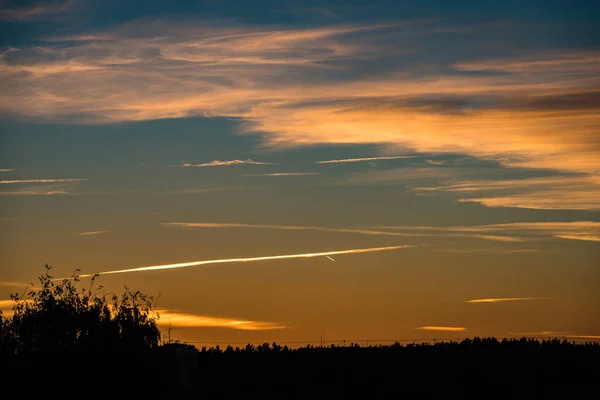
(77, 343)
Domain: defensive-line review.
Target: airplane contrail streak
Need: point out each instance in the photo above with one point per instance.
(330, 258)
(249, 259)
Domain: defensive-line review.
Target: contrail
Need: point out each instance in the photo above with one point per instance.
(330, 258)
(249, 259)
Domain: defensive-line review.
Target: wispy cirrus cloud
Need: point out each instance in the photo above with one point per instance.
(219, 163)
(586, 60)
(547, 193)
(593, 337)
(13, 284)
(6, 169)
(490, 251)
(178, 318)
(504, 299)
(401, 176)
(207, 189)
(17, 181)
(443, 328)
(36, 187)
(251, 259)
(39, 10)
(362, 159)
(537, 111)
(584, 237)
(575, 230)
(361, 231)
(286, 174)
(35, 192)
(90, 233)
(282, 227)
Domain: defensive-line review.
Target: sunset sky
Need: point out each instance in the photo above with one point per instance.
(275, 170)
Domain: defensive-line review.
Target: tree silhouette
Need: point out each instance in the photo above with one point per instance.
(61, 317)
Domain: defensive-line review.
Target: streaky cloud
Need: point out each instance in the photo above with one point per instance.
(91, 233)
(547, 193)
(284, 227)
(491, 251)
(338, 230)
(587, 60)
(355, 160)
(37, 11)
(574, 230)
(443, 328)
(177, 318)
(6, 303)
(587, 238)
(14, 181)
(6, 169)
(503, 299)
(286, 174)
(251, 259)
(219, 163)
(14, 284)
(493, 237)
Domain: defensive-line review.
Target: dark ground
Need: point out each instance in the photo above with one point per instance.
(477, 368)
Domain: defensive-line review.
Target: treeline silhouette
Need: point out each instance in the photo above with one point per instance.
(476, 368)
(76, 343)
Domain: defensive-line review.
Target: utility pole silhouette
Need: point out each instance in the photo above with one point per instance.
(321, 335)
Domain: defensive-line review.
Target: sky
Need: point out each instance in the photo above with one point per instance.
(296, 170)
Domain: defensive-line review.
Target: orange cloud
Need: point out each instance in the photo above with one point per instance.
(443, 328)
(503, 299)
(542, 112)
(180, 319)
(548, 193)
(576, 230)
